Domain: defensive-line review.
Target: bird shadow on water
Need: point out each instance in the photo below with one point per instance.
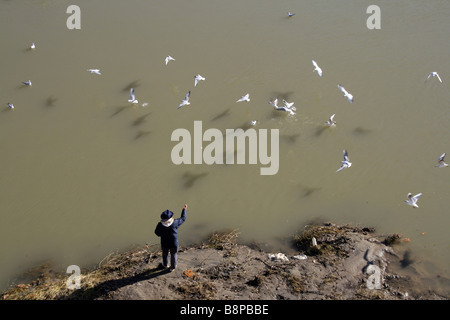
(190, 178)
(120, 109)
(115, 284)
(141, 133)
(133, 84)
(50, 101)
(140, 119)
(221, 115)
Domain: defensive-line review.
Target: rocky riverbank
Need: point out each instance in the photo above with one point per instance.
(330, 263)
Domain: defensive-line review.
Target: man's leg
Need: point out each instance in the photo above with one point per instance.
(173, 258)
(165, 257)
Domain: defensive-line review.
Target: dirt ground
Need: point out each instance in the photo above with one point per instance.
(344, 263)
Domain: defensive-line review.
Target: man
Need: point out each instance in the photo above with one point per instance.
(167, 229)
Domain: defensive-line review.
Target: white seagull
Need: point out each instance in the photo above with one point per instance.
(441, 162)
(287, 106)
(331, 121)
(27, 83)
(346, 163)
(245, 98)
(169, 58)
(132, 96)
(33, 46)
(253, 122)
(434, 74)
(317, 68)
(290, 14)
(185, 101)
(96, 71)
(346, 94)
(10, 105)
(198, 78)
(412, 201)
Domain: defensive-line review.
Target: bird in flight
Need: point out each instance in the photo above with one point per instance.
(10, 105)
(27, 83)
(132, 96)
(96, 71)
(198, 78)
(245, 98)
(331, 122)
(434, 74)
(288, 107)
(346, 163)
(412, 201)
(346, 93)
(169, 58)
(317, 68)
(185, 101)
(290, 14)
(441, 162)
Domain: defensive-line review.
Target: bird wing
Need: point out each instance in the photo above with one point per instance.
(132, 96)
(342, 89)
(417, 196)
(345, 155)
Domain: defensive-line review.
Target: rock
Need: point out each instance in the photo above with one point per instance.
(278, 257)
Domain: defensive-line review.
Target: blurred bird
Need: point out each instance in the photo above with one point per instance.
(434, 74)
(317, 68)
(96, 71)
(245, 98)
(132, 96)
(27, 83)
(331, 121)
(198, 78)
(169, 58)
(10, 105)
(346, 94)
(346, 163)
(185, 101)
(441, 162)
(412, 201)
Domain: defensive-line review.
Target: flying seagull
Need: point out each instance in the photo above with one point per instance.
(434, 74)
(10, 105)
(346, 163)
(253, 122)
(287, 106)
(169, 58)
(33, 46)
(441, 162)
(346, 94)
(27, 83)
(412, 201)
(245, 98)
(317, 68)
(185, 101)
(96, 71)
(198, 78)
(290, 14)
(331, 121)
(132, 96)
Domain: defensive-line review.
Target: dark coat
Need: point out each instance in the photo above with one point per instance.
(169, 235)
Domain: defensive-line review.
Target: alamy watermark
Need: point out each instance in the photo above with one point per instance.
(223, 147)
(374, 21)
(74, 20)
(74, 281)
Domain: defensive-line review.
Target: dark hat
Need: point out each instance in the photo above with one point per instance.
(166, 215)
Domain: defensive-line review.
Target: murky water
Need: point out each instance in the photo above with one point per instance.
(84, 172)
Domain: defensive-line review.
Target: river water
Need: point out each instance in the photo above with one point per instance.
(84, 172)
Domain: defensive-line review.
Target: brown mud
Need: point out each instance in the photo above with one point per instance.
(341, 263)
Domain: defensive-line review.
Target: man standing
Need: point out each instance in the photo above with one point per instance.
(167, 229)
